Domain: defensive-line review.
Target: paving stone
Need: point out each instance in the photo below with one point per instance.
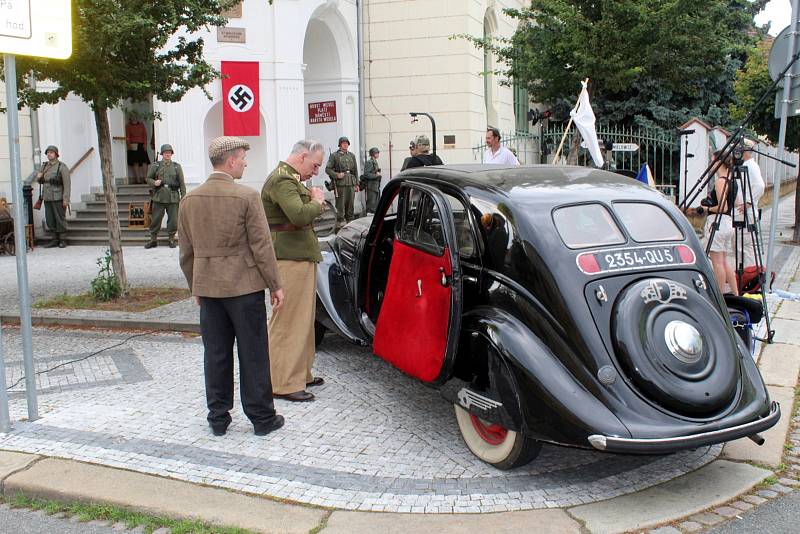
(754, 499)
(665, 530)
(767, 494)
(789, 481)
(59, 515)
(76, 519)
(140, 529)
(99, 523)
(691, 526)
(726, 511)
(162, 530)
(707, 519)
(743, 506)
(119, 525)
(780, 488)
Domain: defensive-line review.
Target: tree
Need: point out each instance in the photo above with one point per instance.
(126, 49)
(750, 85)
(653, 63)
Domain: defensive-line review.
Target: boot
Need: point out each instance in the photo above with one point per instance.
(151, 244)
(172, 243)
(62, 243)
(54, 243)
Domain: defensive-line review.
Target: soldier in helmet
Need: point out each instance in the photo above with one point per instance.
(343, 170)
(54, 178)
(371, 180)
(166, 179)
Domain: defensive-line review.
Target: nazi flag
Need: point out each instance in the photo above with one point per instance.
(240, 101)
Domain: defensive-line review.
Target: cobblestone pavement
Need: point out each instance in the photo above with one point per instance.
(374, 440)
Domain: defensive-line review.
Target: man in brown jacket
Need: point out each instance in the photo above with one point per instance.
(227, 257)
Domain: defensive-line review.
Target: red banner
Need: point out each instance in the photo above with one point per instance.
(240, 102)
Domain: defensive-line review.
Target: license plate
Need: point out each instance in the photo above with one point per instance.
(634, 258)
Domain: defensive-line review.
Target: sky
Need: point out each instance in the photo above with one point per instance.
(778, 12)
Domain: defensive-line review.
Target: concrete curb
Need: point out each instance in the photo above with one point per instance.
(103, 322)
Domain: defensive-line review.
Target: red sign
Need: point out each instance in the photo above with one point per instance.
(319, 112)
(240, 109)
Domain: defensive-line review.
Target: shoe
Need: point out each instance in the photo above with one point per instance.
(297, 396)
(52, 244)
(263, 430)
(62, 244)
(172, 243)
(219, 429)
(151, 244)
(318, 381)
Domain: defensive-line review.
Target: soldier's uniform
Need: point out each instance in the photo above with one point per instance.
(55, 191)
(371, 180)
(343, 161)
(165, 197)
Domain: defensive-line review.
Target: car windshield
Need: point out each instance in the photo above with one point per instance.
(587, 225)
(647, 222)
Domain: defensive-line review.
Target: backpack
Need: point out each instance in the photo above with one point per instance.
(750, 281)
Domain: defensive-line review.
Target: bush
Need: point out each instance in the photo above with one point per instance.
(106, 285)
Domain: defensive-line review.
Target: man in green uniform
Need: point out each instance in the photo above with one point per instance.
(54, 178)
(342, 169)
(166, 179)
(291, 208)
(371, 180)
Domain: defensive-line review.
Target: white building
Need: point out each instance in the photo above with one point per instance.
(308, 51)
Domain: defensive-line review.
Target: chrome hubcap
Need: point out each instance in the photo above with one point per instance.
(683, 341)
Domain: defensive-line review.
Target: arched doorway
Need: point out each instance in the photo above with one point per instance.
(330, 76)
(254, 175)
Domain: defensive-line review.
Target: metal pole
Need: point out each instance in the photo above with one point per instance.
(37, 149)
(776, 184)
(362, 148)
(5, 420)
(20, 240)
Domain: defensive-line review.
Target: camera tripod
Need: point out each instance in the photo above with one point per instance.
(745, 223)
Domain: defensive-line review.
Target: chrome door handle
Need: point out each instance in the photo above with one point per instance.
(419, 288)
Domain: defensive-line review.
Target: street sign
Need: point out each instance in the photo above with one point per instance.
(625, 147)
(41, 28)
(321, 112)
(777, 57)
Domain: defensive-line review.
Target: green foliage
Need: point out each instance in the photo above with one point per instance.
(128, 49)
(106, 285)
(751, 83)
(652, 63)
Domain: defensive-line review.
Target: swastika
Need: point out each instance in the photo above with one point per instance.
(241, 98)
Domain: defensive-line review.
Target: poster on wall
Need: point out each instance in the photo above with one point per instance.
(320, 112)
(240, 110)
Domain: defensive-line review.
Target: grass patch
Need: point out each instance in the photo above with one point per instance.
(115, 514)
(138, 299)
(769, 481)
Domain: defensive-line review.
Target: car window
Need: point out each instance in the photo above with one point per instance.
(647, 222)
(587, 225)
(421, 223)
(464, 235)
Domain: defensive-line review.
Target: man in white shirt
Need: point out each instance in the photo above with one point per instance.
(496, 154)
(753, 194)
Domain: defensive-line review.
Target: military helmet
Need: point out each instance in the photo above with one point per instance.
(374, 150)
(166, 147)
(422, 140)
(343, 139)
(54, 148)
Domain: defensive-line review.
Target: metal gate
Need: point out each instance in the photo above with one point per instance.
(524, 145)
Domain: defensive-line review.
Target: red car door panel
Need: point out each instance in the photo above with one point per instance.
(412, 328)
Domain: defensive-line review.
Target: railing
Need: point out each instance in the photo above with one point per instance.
(82, 159)
(660, 150)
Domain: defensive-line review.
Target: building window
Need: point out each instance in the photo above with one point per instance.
(521, 105)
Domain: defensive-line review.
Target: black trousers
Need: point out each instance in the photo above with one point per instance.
(244, 319)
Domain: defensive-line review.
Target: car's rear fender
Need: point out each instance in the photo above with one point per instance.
(554, 405)
(335, 300)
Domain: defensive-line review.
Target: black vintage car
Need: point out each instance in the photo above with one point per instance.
(548, 304)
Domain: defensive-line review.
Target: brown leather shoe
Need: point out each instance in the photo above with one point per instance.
(297, 396)
(318, 381)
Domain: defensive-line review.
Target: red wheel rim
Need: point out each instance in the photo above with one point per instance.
(491, 433)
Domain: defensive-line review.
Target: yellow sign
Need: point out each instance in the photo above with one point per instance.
(41, 28)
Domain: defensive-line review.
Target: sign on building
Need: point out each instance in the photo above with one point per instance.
(41, 28)
(319, 112)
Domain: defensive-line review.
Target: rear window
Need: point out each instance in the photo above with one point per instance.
(587, 225)
(647, 222)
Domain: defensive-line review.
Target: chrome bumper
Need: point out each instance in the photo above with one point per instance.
(664, 445)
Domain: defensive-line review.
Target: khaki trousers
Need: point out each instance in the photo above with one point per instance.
(291, 328)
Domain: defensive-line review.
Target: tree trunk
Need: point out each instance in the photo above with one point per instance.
(796, 232)
(574, 147)
(110, 193)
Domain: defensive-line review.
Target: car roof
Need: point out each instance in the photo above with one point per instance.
(537, 184)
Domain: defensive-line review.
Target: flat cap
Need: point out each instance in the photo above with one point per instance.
(423, 140)
(226, 143)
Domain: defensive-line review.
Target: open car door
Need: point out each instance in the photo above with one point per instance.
(420, 317)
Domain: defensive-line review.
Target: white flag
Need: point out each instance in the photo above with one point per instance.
(583, 117)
